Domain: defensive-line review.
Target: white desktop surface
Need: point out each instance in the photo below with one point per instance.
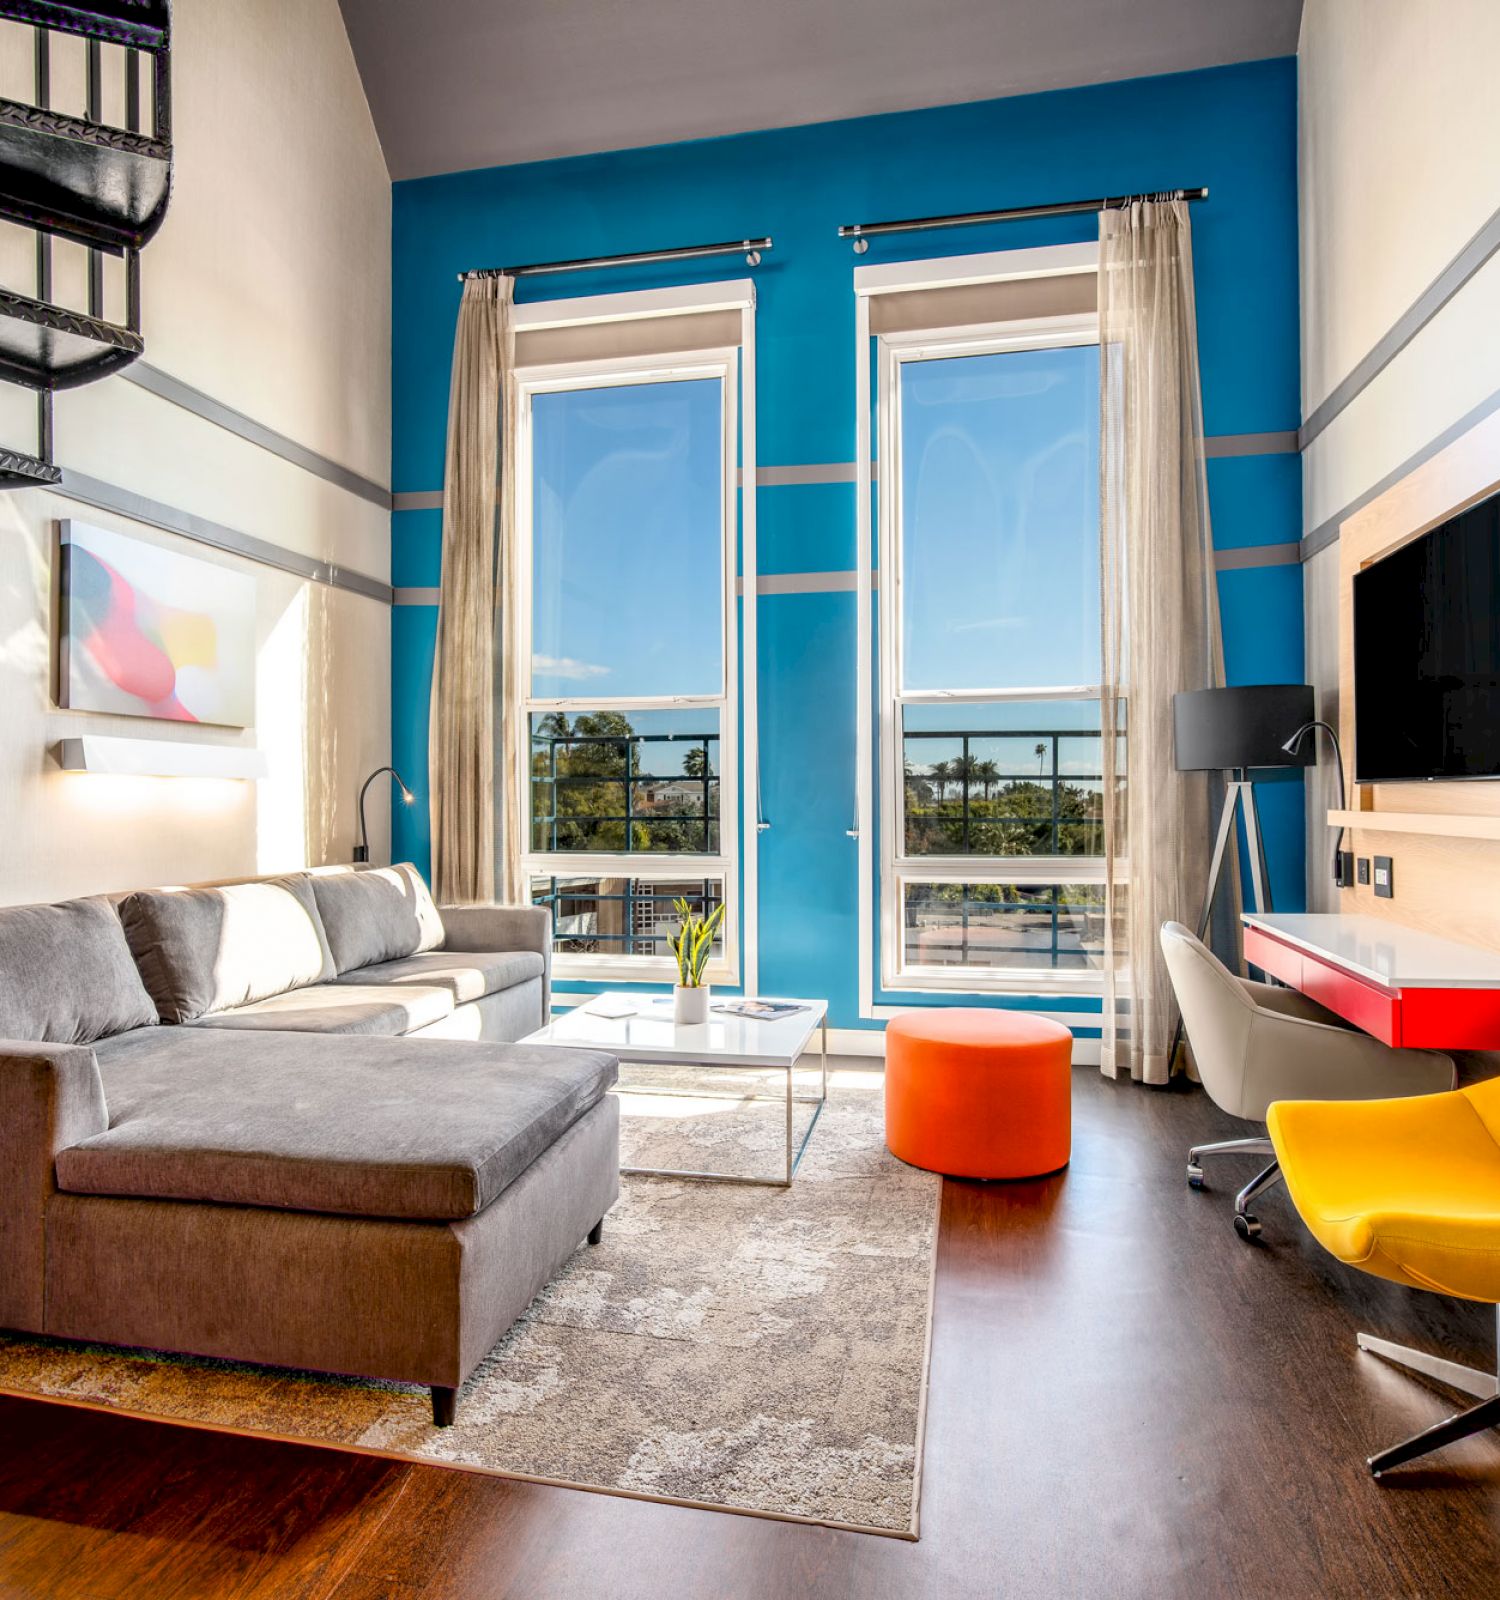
(651, 1035)
(1384, 952)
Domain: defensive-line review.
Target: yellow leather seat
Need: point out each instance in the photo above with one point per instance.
(1408, 1190)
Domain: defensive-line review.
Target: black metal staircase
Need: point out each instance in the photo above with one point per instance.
(75, 177)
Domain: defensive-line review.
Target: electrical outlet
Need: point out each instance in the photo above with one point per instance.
(1385, 887)
(1363, 869)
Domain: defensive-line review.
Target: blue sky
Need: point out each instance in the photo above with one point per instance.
(628, 580)
(1000, 519)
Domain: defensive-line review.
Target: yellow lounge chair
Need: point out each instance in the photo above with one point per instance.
(1408, 1190)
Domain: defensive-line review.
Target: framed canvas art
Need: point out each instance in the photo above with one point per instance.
(149, 632)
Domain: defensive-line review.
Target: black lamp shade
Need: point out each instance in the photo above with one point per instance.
(1245, 727)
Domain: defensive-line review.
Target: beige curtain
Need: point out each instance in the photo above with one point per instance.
(1161, 617)
(462, 739)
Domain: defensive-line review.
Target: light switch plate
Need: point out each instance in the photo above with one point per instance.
(1363, 869)
(1385, 887)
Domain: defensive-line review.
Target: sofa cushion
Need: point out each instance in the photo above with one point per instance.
(66, 976)
(432, 1129)
(341, 1008)
(467, 974)
(202, 950)
(379, 914)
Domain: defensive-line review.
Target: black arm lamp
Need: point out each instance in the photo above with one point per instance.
(1341, 874)
(362, 849)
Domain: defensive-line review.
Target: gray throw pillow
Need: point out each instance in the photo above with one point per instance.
(203, 950)
(66, 976)
(379, 914)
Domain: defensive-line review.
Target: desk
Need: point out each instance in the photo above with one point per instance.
(1402, 986)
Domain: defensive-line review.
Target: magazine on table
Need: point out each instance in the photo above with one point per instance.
(760, 1010)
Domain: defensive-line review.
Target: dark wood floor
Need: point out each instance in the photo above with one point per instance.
(1126, 1401)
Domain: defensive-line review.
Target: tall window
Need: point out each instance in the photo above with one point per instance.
(625, 513)
(991, 803)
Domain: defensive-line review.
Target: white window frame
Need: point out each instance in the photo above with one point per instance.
(897, 869)
(724, 365)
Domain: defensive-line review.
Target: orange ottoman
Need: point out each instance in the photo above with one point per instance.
(978, 1094)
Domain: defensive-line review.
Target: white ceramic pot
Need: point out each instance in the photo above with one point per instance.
(689, 1006)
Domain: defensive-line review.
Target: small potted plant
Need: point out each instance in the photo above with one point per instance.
(692, 943)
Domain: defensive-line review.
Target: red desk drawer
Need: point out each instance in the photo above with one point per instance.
(1377, 1011)
(1273, 957)
(1450, 1019)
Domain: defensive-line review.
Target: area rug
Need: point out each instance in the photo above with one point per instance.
(759, 1350)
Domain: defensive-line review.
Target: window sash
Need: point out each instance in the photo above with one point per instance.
(722, 865)
(898, 867)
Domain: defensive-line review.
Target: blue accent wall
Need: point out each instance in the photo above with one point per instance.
(1232, 128)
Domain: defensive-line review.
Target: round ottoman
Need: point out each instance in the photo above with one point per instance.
(978, 1094)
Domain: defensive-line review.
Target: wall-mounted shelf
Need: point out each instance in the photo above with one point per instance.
(100, 186)
(49, 347)
(141, 24)
(21, 471)
(159, 758)
(1435, 824)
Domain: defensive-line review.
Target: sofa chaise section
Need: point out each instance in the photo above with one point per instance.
(319, 1123)
(373, 1205)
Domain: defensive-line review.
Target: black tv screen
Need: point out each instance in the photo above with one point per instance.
(1427, 655)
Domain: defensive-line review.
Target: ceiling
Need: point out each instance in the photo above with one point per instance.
(455, 84)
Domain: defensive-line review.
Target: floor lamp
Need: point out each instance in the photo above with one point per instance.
(1234, 731)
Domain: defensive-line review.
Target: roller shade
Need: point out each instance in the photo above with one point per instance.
(680, 334)
(970, 305)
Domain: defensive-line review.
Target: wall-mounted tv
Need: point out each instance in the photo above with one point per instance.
(1427, 655)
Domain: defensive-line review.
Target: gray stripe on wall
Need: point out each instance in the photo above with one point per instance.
(417, 597)
(1258, 555)
(1406, 327)
(1216, 446)
(772, 477)
(126, 503)
(808, 582)
(166, 387)
(816, 472)
(1327, 532)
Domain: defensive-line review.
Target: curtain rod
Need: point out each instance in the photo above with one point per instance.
(749, 248)
(861, 232)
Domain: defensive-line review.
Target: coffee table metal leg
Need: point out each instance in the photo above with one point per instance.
(790, 1167)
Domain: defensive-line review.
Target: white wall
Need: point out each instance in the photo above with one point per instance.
(269, 289)
(1399, 167)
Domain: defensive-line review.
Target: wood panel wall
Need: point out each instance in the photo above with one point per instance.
(1446, 883)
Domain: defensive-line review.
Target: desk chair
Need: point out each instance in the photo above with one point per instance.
(1407, 1190)
(1255, 1044)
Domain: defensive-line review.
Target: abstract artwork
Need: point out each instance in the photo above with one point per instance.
(147, 632)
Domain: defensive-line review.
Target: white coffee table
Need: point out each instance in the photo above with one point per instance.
(723, 1041)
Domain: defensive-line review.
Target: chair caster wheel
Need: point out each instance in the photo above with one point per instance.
(1195, 1176)
(1246, 1226)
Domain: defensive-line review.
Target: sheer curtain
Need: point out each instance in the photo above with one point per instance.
(1161, 616)
(462, 738)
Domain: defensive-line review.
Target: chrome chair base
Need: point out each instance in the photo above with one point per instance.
(1246, 1224)
(1484, 1386)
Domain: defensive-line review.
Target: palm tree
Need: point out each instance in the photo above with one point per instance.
(1041, 756)
(943, 774)
(988, 775)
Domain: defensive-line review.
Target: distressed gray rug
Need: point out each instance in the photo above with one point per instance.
(746, 1349)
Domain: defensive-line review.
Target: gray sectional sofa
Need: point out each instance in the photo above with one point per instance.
(285, 1121)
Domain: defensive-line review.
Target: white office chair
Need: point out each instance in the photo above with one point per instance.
(1255, 1044)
